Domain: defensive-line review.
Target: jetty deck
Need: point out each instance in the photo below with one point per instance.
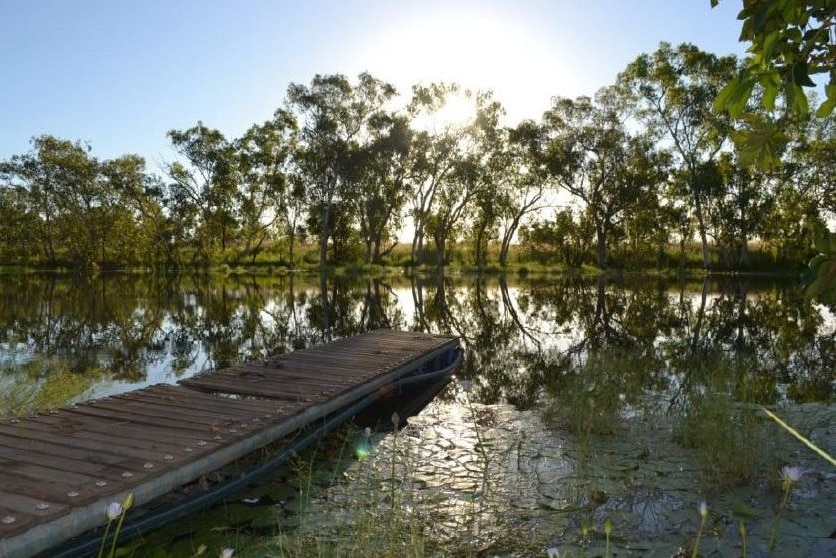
(60, 469)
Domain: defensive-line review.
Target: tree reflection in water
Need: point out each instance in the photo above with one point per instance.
(613, 395)
(523, 336)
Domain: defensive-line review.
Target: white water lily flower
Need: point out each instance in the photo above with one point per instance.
(227, 553)
(113, 510)
(790, 474)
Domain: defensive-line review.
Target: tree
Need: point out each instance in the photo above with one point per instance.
(469, 175)
(333, 116)
(379, 188)
(143, 194)
(262, 157)
(435, 152)
(519, 171)
(17, 225)
(790, 40)
(202, 193)
(563, 237)
(593, 157)
(672, 92)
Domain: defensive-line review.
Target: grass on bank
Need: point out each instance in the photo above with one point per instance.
(275, 260)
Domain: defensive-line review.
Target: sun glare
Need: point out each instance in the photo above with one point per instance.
(476, 49)
(458, 110)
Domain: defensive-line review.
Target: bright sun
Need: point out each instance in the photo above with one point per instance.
(458, 110)
(477, 49)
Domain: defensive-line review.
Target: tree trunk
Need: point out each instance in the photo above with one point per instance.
(744, 240)
(326, 307)
(480, 251)
(601, 238)
(706, 252)
(323, 246)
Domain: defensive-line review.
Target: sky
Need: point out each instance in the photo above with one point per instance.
(120, 74)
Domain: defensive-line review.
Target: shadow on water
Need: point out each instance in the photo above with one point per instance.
(628, 401)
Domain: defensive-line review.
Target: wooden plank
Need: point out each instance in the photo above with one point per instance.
(201, 407)
(264, 406)
(185, 416)
(136, 418)
(37, 472)
(123, 433)
(232, 387)
(20, 503)
(300, 383)
(52, 449)
(13, 522)
(113, 448)
(65, 464)
(49, 490)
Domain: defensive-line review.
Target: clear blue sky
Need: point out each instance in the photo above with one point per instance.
(120, 74)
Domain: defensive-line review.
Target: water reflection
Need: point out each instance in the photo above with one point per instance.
(627, 399)
(115, 333)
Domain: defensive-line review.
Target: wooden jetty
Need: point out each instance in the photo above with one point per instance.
(59, 470)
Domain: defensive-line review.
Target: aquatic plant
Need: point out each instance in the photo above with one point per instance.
(741, 527)
(607, 532)
(789, 476)
(115, 512)
(703, 509)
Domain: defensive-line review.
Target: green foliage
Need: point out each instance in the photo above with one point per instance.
(790, 40)
(821, 281)
(338, 166)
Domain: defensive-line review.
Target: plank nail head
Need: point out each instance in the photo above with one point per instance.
(188, 450)
(101, 483)
(72, 494)
(148, 466)
(127, 475)
(42, 506)
(168, 457)
(9, 519)
(201, 442)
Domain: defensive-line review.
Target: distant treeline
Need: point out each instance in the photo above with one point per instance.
(648, 163)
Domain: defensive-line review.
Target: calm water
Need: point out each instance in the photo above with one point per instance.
(626, 400)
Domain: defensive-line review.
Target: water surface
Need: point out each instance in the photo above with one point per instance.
(625, 400)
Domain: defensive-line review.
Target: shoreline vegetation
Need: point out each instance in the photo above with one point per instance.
(343, 167)
(763, 262)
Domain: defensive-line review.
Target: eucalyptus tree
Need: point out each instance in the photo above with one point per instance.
(563, 237)
(672, 92)
(812, 163)
(436, 152)
(333, 117)
(524, 180)
(64, 194)
(379, 189)
(142, 194)
(748, 194)
(593, 157)
(262, 157)
(453, 192)
(203, 187)
(18, 241)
